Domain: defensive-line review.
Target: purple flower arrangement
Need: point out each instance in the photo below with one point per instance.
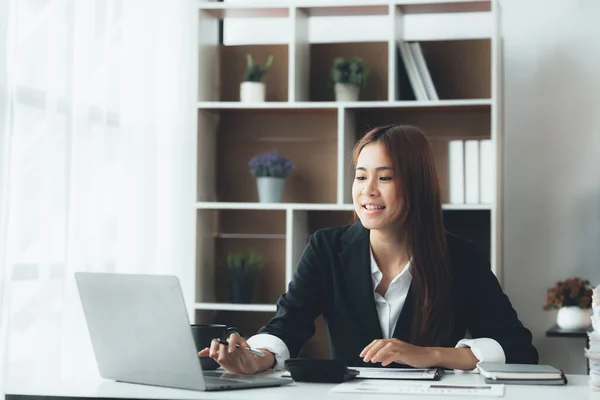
(270, 164)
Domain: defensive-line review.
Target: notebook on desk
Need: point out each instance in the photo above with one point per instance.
(521, 374)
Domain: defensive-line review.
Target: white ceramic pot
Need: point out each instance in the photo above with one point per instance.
(346, 92)
(270, 189)
(252, 92)
(573, 317)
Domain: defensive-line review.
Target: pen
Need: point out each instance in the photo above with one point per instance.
(251, 350)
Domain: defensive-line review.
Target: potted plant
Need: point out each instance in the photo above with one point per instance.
(270, 170)
(573, 299)
(252, 89)
(348, 76)
(242, 269)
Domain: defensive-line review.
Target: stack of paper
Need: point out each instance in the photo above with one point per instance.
(593, 352)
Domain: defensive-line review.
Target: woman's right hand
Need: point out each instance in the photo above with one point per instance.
(237, 360)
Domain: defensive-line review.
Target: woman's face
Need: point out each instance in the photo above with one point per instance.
(374, 192)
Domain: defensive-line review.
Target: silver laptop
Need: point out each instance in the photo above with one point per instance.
(140, 332)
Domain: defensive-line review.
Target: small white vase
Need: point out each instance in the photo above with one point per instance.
(252, 92)
(573, 317)
(270, 189)
(346, 92)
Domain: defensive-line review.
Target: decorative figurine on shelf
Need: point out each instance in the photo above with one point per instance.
(252, 90)
(348, 76)
(242, 269)
(270, 170)
(573, 299)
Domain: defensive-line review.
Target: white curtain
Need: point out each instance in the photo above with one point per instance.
(97, 169)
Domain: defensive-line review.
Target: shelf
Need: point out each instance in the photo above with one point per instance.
(265, 236)
(241, 136)
(215, 205)
(344, 9)
(442, 6)
(309, 106)
(235, 307)
(233, 10)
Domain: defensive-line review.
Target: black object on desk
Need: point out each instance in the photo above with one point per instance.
(555, 331)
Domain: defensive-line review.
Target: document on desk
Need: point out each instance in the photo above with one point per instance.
(424, 388)
(432, 374)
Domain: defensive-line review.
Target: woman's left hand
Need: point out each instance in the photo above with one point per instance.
(387, 351)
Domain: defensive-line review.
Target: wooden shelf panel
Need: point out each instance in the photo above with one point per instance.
(241, 136)
(322, 219)
(443, 6)
(375, 56)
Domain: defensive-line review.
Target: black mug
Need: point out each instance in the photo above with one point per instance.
(203, 335)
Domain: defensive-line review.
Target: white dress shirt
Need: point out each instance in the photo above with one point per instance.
(388, 310)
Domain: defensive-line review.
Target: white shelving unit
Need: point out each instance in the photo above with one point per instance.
(304, 122)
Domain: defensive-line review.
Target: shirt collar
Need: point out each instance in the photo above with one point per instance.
(376, 272)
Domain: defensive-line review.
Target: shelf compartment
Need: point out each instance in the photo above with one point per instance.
(344, 9)
(241, 136)
(253, 229)
(442, 6)
(233, 10)
(233, 66)
(375, 55)
(459, 69)
(439, 125)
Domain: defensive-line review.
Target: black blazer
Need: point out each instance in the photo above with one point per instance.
(333, 278)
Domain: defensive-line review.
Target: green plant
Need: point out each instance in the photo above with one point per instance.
(350, 70)
(255, 72)
(243, 264)
(571, 292)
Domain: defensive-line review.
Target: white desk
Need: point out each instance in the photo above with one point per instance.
(577, 388)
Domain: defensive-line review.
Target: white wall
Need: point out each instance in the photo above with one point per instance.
(552, 159)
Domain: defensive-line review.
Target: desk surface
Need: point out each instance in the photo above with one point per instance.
(577, 388)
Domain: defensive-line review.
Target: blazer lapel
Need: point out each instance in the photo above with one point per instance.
(403, 326)
(355, 258)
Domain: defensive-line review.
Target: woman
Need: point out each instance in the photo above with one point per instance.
(394, 288)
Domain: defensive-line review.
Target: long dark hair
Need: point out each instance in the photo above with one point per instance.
(413, 164)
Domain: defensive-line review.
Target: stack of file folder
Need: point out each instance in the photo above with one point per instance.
(521, 374)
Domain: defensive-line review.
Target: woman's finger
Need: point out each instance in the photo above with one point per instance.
(374, 349)
(205, 352)
(384, 351)
(214, 349)
(368, 347)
